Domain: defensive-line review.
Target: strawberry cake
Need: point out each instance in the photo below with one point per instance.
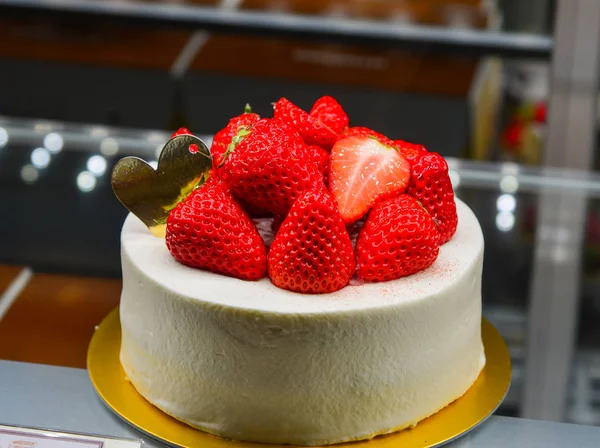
(321, 284)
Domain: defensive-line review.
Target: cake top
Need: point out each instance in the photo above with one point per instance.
(318, 181)
(459, 259)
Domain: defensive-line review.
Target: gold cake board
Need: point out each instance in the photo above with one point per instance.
(461, 416)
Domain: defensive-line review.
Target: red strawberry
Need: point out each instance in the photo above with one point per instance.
(513, 135)
(430, 184)
(320, 156)
(269, 168)
(359, 131)
(329, 112)
(317, 133)
(312, 252)
(223, 138)
(209, 230)
(313, 131)
(398, 239)
(410, 151)
(364, 171)
(540, 113)
(181, 131)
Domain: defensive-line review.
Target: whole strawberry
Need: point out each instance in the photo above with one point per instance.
(430, 184)
(268, 168)
(363, 171)
(209, 230)
(319, 156)
(312, 252)
(223, 138)
(312, 130)
(410, 151)
(399, 238)
(329, 112)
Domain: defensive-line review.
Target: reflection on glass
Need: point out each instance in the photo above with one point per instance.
(506, 203)
(159, 149)
(153, 164)
(109, 147)
(99, 131)
(505, 221)
(86, 181)
(3, 137)
(156, 137)
(510, 168)
(53, 142)
(509, 184)
(29, 174)
(41, 127)
(561, 254)
(96, 165)
(40, 158)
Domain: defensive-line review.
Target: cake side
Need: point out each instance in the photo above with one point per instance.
(250, 361)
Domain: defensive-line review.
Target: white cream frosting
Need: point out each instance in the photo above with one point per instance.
(249, 361)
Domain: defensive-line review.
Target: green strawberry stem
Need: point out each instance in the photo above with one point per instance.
(242, 133)
(247, 109)
(185, 191)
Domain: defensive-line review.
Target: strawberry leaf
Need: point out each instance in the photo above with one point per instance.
(242, 133)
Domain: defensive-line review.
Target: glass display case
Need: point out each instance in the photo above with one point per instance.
(506, 91)
(67, 237)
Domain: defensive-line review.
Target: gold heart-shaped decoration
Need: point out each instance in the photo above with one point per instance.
(184, 163)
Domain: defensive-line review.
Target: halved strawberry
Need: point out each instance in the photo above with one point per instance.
(313, 131)
(410, 151)
(363, 171)
(360, 131)
(329, 112)
(431, 185)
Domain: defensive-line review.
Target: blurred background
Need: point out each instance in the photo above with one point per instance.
(507, 90)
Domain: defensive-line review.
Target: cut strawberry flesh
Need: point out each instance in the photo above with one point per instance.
(364, 171)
